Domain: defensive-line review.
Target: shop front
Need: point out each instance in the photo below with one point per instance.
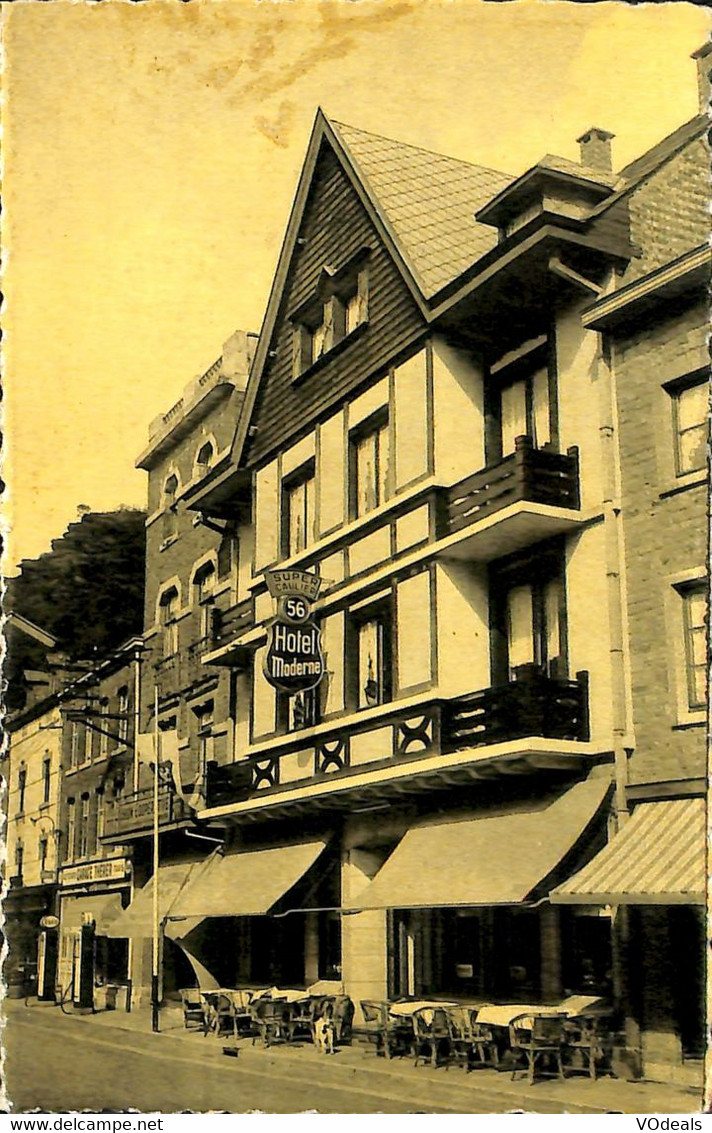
(652, 873)
(25, 907)
(93, 970)
(256, 917)
(464, 910)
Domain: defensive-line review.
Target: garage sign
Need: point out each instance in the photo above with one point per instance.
(294, 661)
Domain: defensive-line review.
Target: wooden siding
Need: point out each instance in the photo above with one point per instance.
(334, 228)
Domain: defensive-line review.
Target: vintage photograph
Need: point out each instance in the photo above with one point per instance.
(355, 557)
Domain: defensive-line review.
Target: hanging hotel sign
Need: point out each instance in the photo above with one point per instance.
(294, 661)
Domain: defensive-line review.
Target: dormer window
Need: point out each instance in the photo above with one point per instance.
(338, 307)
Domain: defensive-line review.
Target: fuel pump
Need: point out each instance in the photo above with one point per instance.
(83, 966)
(47, 956)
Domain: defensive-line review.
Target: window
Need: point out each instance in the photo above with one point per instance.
(42, 847)
(46, 778)
(19, 861)
(168, 611)
(100, 813)
(204, 720)
(369, 466)
(74, 744)
(204, 590)
(524, 411)
(21, 788)
(298, 511)
(71, 828)
(690, 419)
(528, 615)
(170, 518)
(86, 742)
(123, 713)
(694, 609)
(204, 459)
(297, 711)
(339, 307)
(370, 656)
(105, 725)
(83, 831)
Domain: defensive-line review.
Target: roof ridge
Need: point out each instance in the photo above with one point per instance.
(421, 149)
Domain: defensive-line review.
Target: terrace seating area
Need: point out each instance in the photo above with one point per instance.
(559, 1040)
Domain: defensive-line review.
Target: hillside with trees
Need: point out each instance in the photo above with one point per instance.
(87, 591)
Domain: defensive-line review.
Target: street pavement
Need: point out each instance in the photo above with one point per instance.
(56, 1062)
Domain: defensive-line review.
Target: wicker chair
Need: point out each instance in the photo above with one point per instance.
(430, 1033)
(587, 1041)
(195, 1009)
(471, 1043)
(388, 1034)
(540, 1039)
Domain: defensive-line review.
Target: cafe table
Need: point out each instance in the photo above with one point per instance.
(405, 1010)
(502, 1014)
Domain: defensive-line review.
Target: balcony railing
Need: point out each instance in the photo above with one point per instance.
(534, 705)
(535, 475)
(133, 813)
(230, 623)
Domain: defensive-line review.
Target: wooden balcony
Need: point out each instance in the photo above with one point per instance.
(528, 475)
(534, 706)
(226, 627)
(133, 814)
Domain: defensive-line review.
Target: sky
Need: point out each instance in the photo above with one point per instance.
(152, 151)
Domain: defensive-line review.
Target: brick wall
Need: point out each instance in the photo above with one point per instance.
(664, 535)
(669, 209)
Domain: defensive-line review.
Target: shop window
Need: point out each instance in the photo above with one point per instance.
(46, 778)
(168, 611)
(339, 307)
(21, 789)
(204, 583)
(528, 615)
(369, 656)
(298, 511)
(122, 698)
(694, 620)
(690, 409)
(329, 945)
(369, 466)
(516, 955)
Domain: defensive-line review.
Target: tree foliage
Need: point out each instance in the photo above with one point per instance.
(87, 592)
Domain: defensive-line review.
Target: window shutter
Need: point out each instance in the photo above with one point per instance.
(330, 323)
(300, 350)
(363, 295)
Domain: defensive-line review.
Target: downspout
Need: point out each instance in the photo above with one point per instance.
(614, 554)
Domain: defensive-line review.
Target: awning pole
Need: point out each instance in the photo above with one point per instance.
(156, 925)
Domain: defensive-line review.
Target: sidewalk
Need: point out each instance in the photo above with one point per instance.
(479, 1090)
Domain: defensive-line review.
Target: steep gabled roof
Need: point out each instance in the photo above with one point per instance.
(422, 204)
(429, 201)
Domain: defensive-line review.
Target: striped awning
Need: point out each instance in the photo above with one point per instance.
(657, 858)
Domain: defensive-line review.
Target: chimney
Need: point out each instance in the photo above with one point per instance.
(703, 58)
(595, 147)
(237, 356)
